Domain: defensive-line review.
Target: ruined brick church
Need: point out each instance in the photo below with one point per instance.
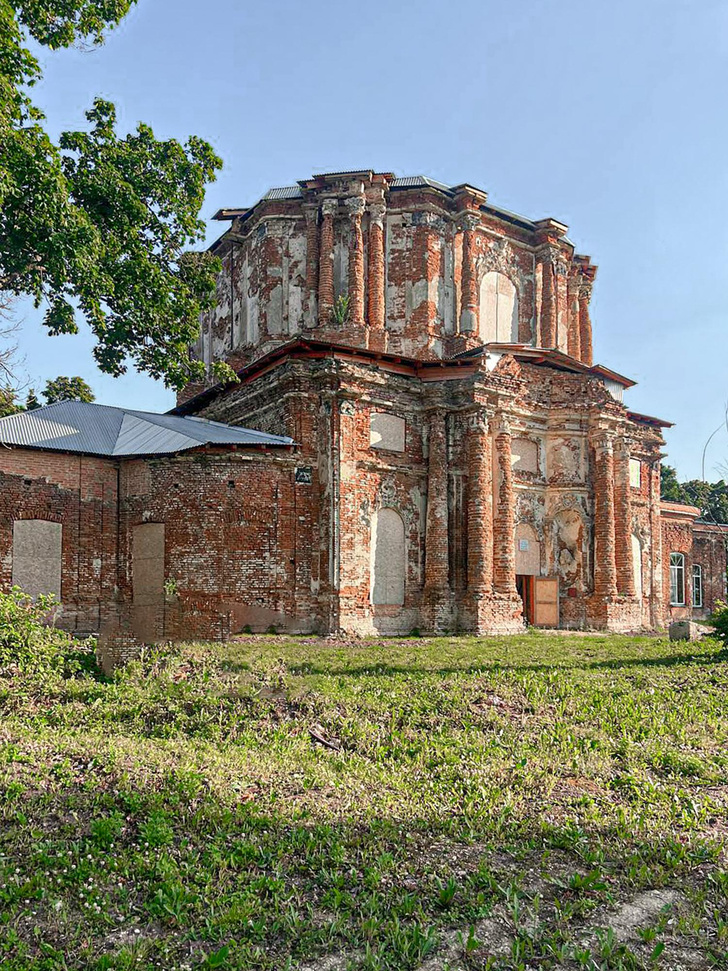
(418, 439)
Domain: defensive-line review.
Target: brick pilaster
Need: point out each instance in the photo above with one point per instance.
(549, 310)
(312, 261)
(355, 208)
(480, 509)
(605, 567)
(470, 298)
(574, 334)
(657, 605)
(585, 327)
(623, 523)
(437, 559)
(326, 260)
(376, 309)
(504, 557)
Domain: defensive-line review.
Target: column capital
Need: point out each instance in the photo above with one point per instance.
(310, 211)
(355, 206)
(329, 207)
(468, 221)
(585, 289)
(502, 424)
(552, 255)
(602, 441)
(377, 212)
(479, 419)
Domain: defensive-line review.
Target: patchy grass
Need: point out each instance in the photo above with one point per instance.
(539, 801)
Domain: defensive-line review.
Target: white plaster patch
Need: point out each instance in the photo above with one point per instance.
(37, 556)
(498, 309)
(635, 469)
(524, 455)
(387, 431)
(388, 560)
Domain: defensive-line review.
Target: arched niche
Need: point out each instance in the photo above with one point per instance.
(498, 309)
(528, 551)
(569, 548)
(388, 557)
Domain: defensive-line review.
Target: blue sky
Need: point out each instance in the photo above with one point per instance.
(610, 117)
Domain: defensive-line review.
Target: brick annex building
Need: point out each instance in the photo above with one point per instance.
(434, 447)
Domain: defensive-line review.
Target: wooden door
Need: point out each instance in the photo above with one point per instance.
(546, 601)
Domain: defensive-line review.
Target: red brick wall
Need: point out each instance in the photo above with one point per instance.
(239, 540)
(80, 492)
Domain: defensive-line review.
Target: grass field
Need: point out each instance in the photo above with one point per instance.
(542, 801)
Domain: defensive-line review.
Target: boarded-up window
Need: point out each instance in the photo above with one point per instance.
(388, 557)
(634, 473)
(37, 556)
(387, 431)
(637, 564)
(528, 551)
(498, 309)
(148, 580)
(524, 455)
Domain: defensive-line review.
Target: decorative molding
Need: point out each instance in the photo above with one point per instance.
(377, 212)
(468, 221)
(499, 257)
(355, 207)
(330, 207)
(387, 490)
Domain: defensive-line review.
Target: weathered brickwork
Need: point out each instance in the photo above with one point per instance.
(416, 261)
(459, 462)
(80, 493)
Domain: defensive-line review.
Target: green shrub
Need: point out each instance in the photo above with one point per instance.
(718, 620)
(28, 642)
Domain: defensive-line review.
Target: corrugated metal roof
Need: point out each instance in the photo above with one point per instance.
(412, 181)
(75, 426)
(283, 192)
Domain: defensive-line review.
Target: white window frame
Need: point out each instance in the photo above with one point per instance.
(697, 575)
(677, 579)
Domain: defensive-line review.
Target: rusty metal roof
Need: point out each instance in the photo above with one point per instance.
(91, 429)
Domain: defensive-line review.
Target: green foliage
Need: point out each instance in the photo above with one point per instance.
(718, 620)
(67, 389)
(100, 224)
(27, 642)
(710, 497)
(9, 404)
(31, 402)
(340, 310)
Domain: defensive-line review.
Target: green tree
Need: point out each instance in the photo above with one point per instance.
(9, 404)
(710, 497)
(31, 402)
(67, 389)
(670, 488)
(99, 226)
